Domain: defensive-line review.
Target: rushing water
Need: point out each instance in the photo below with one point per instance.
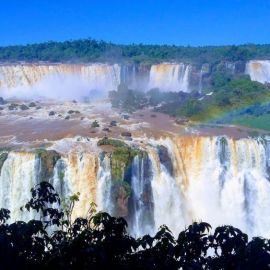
(104, 185)
(22, 79)
(259, 70)
(18, 176)
(170, 77)
(19, 79)
(215, 179)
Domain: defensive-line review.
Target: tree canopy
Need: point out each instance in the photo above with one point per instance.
(90, 50)
(101, 241)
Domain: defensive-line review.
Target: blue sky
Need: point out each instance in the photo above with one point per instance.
(190, 22)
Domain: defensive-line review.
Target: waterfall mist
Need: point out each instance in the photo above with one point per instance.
(92, 81)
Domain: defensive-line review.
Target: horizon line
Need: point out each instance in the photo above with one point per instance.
(134, 44)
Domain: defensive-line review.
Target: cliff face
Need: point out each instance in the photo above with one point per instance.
(96, 76)
(106, 77)
(174, 180)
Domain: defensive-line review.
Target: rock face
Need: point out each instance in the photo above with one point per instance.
(2, 101)
(113, 123)
(126, 134)
(32, 104)
(3, 157)
(165, 159)
(121, 157)
(182, 121)
(13, 106)
(23, 107)
(47, 161)
(95, 124)
(51, 113)
(120, 191)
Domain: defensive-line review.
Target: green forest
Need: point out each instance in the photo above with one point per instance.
(90, 50)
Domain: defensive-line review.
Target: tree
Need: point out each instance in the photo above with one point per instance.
(100, 241)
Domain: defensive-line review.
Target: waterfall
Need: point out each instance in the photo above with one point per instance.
(200, 81)
(168, 205)
(142, 197)
(59, 80)
(17, 177)
(177, 180)
(140, 205)
(59, 180)
(259, 70)
(137, 187)
(129, 76)
(170, 77)
(227, 182)
(53, 80)
(102, 76)
(104, 185)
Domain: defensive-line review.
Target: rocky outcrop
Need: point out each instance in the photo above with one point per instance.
(2, 101)
(165, 159)
(3, 157)
(47, 160)
(23, 107)
(121, 156)
(121, 192)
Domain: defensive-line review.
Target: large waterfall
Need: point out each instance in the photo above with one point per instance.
(259, 70)
(175, 181)
(170, 77)
(101, 77)
(60, 80)
(22, 79)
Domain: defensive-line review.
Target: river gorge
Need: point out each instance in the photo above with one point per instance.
(166, 173)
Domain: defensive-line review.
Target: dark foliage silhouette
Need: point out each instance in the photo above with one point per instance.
(100, 241)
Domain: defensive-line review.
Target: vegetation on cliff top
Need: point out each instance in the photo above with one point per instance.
(229, 95)
(228, 99)
(111, 142)
(90, 50)
(121, 156)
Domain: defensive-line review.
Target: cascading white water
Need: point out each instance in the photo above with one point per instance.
(59, 180)
(259, 70)
(58, 80)
(167, 198)
(229, 186)
(102, 76)
(17, 176)
(170, 77)
(137, 187)
(200, 81)
(104, 185)
(80, 176)
(142, 222)
(244, 196)
(214, 179)
(129, 76)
